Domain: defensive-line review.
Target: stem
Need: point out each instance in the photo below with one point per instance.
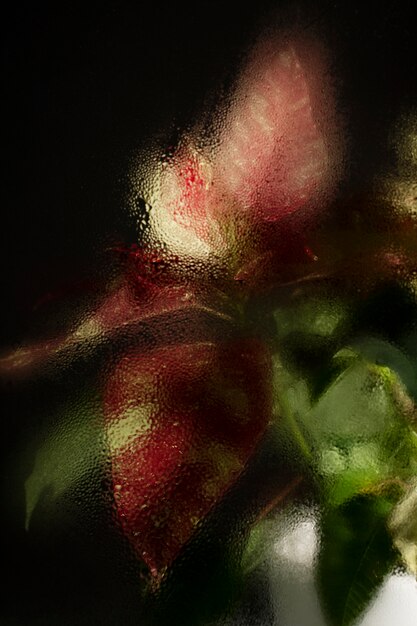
(279, 498)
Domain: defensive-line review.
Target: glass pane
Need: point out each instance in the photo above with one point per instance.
(209, 350)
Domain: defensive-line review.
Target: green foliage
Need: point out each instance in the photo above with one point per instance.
(69, 453)
(349, 424)
(356, 554)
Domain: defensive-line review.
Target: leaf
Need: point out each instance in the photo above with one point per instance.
(124, 314)
(356, 555)
(358, 440)
(66, 458)
(312, 322)
(381, 352)
(254, 553)
(403, 526)
(360, 432)
(291, 403)
(181, 422)
(356, 435)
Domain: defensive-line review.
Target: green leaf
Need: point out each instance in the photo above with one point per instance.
(312, 319)
(292, 404)
(67, 456)
(356, 436)
(255, 550)
(356, 555)
(380, 352)
(403, 526)
(360, 432)
(358, 441)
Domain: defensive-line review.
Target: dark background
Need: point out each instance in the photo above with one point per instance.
(86, 85)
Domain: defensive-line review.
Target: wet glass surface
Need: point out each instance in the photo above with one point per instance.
(209, 348)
